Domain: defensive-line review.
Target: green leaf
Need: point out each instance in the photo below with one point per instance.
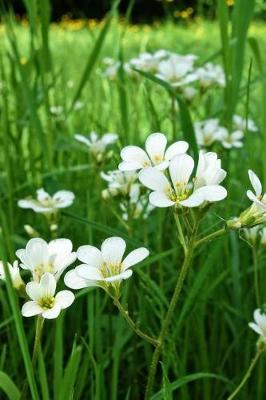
(8, 386)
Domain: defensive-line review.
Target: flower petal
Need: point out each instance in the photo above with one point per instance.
(129, 166)
(83, 139)
(37, 252)
(52, 312)
(159, 199)
(33, 290)
(30, 309)
(124, 275)
(134, 257)
(74, 281)
(195, 200)
(212, 192)
(64, 298)
(255, 182)
(255, 328)
(155, 146)
(154, 179)
(135, 154)
(90, 255)
(47, 285)
(89, 272)
(176, 148)
(180, 168)
(113, 250)
(63, 198)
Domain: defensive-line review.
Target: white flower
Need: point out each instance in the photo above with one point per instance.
(259, 326)
(208, 131)
(210, 75)
(189, 92)
(230, 140)
(97, 145)
(258, 197)
(120, 183)
(112, 67)
(145, 62)
(44, 301)
(256, 234)
(14, 274)
(48, 204)
(156, 154)
(56, 110)
(241, 124)
(176, 70)
(180, 191)
(105, 267)
(40, 257)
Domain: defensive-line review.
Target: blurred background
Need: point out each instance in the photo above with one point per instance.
(143, 10)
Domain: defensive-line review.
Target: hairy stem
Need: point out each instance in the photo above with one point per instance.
(211, 236)
(132, 324)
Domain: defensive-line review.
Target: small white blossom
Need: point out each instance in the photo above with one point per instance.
(105, 267)
(176, 70)
(180, 191)
(230, 140)
(56, 110)
(14, 274)
(156, 154)
(39, 257)
(256, 234)
(44, 301)
(208, 131)
(48, 204)
(259, 198)
(241, 124)
(120, 183)
(259, 326)
(97, 145)
(210, 75)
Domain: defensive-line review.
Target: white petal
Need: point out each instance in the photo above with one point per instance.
(90, 255)
(195, 200)
(212, 193)
(255, 328)
(255, 182)
(135, 154)
(64, 298)
(60, 247)
(26, 203)
(155, 146)
(162, 166)
(154, 180)
(83, 139)
(110, 138)
(180, 168)
(260, 319)
(134, 257)
(74, 281)
(176, 148)
(129, 166)
(47, 285)
(124, 275)
(37, 251)
(22, 255)
(88, 272)
(52, 312)
(113, 250)
(63, 198)
(251, 196)
(60, 251)
(159, 199)
(30, 309)
(33, 290)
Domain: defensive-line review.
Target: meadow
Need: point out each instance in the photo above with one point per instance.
(178, 327)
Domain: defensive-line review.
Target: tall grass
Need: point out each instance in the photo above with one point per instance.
(90, 351)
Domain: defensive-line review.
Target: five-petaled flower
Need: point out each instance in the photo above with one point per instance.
(180, 191)
(97, 145)
(105, 267)
(44, 301)
(47, 204)
(40, 257)
(14, 272)
(156, 154)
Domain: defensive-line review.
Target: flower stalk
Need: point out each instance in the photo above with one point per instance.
(37, 340)
(132, 324)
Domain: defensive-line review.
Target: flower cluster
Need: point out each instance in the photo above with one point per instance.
(97, 146)
(210, 131)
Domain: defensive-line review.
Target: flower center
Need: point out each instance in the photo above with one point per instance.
(180, 193)
(47, 302)
(40, 269)
(157, 159)
(108, 270)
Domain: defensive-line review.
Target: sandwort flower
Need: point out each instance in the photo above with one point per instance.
(97, 145)
(120, 183)
(179, 190)
(47, 204)
(208, 131)
(210, 75)
(230, 140)
(176, 70)
(105, 267)
(156, 154)
(242, 124)
(14, 271)
(259, 326)
(44, 301)
(256, 235)
(40, 257)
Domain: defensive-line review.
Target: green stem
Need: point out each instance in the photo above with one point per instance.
(37, 340)
(170, 312)
(211, 236)
(246, 376)
(180, 233)
(132, 324)
(256, 275)
(173, 112)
